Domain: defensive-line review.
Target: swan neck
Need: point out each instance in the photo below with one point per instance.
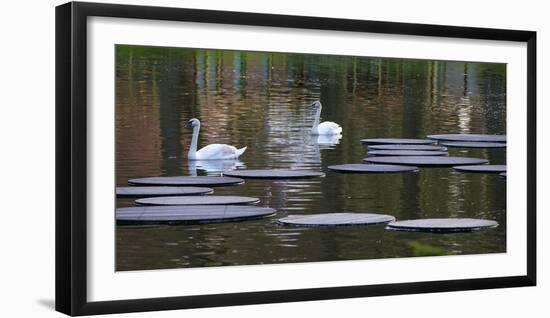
(317, 118)
(194, 141)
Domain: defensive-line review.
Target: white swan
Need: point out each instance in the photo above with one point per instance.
(213, 151)
(324, 128)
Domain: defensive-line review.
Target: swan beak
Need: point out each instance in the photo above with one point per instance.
(188, 125)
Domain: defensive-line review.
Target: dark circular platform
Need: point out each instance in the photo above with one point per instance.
(426, 160)
(160, 191)
(198, 200)
(406, 153)
(469, 137)
(407, 147)
(190, 214)
(336, 219)
(186, 181)
(482, 168)
(371, 168)
(398, 141)
(274, 174)
(446, 225)
(466, 144)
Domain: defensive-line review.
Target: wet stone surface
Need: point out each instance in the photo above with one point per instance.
(482, 168)
(189, 214)
(160, 191)
(469, 137)
(371, 168)
(274, 174)
(198, 200)
(398, 141)
(186, 181)
(426, 160)
(449, 225)
(407, 147)
(406, 153)
(336, 219)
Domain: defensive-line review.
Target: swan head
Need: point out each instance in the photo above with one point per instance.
(315, 105)
(192, 123)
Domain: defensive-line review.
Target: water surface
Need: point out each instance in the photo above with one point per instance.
(260, 100)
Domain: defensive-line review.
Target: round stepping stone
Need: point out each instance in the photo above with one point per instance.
(406, 153)
(160, 191)
(466, 144)
(426, 161)
(502, 175)
(336, 219)
(482, 168)
(469, 137)
(198, 200)
(398, 141)
(186, 181)
(448, 225)
(372, 168)
(190, 214)
(407, 147)
(274, 174)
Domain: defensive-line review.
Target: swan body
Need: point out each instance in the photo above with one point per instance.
(326, 127)
(218, 151)
(212, 151)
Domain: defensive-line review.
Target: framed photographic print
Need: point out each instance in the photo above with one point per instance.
(209, 158)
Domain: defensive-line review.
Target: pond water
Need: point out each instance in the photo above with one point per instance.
(260, 100)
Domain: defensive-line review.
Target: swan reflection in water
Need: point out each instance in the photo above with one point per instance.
(325, 141)
(214, 167)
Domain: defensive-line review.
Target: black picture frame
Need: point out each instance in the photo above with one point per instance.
(71, 157)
